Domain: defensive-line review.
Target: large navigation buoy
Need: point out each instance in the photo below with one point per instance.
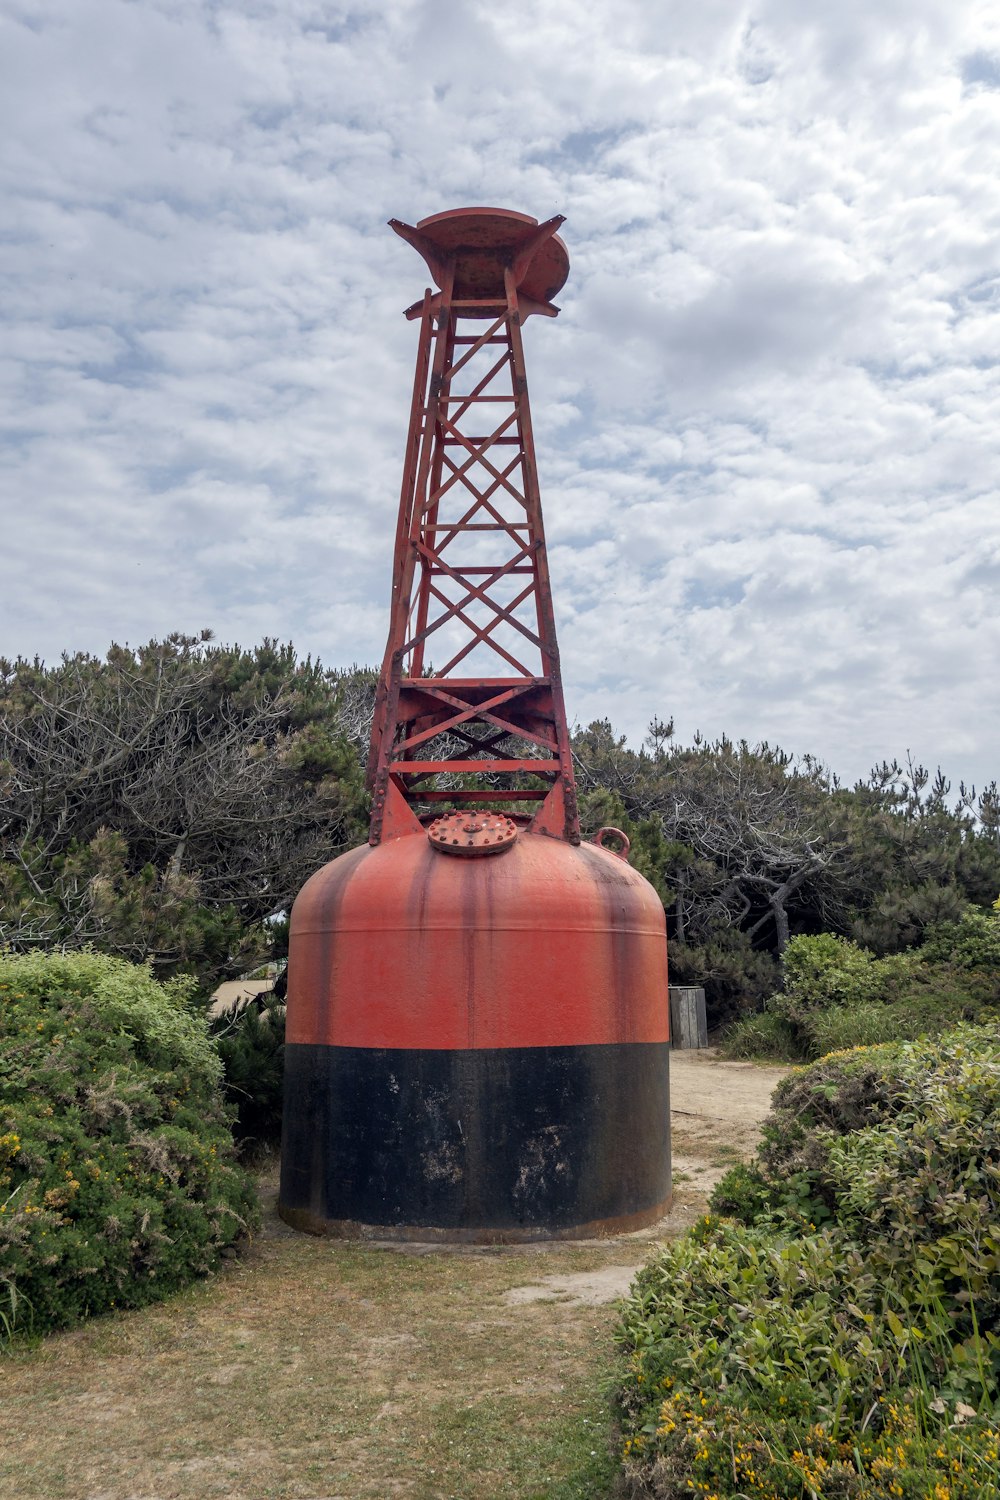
(477, 1029)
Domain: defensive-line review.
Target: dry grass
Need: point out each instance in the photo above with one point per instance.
(321, 1370)
(317, 1369)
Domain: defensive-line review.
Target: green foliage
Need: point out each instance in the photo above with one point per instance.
(726, 965)
(163, 803)
(743, 1193)
(970, 943)
(764, 1037)
(900, 1145)
(118, 1182)
(854, 1090)
(839, 995)
(749, 847)
(719, 957)
(843, 1338)
(700, 1441)
(870, 1024)
(825, 969)
(251, 1045)
(137, 913)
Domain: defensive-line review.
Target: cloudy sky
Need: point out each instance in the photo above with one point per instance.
(768, 418)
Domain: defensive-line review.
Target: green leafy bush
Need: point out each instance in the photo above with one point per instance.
(839, 995)
(842, 1093)
(776, 1364)
(971, 943)
(840, 1336)
(898, 1143)
(900, 1147)
(827, 970)
(118, 1181)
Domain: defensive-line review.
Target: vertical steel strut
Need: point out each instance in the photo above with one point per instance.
(470, 584)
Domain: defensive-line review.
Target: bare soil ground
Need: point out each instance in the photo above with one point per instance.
(328, 1371)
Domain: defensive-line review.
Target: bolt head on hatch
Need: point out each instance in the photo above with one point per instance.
(472, 833)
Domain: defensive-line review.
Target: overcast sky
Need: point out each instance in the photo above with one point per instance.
(768, 418)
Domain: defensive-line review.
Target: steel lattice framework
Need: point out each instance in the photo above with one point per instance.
(470, 584)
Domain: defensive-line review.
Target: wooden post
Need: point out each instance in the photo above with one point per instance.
(688, 1026)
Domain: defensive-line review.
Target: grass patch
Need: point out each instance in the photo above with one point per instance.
(725, 1156)
(318, 1369)
(761, 1038)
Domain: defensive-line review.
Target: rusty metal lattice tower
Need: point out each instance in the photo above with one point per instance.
(470, 586)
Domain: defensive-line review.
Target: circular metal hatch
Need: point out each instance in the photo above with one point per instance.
(472, 833)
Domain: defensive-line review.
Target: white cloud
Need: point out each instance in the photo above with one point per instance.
(767, 419)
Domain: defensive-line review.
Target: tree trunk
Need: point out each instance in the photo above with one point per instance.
(777, 902)
(176, 859)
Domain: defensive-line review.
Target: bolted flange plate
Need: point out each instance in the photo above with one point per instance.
(472, 833)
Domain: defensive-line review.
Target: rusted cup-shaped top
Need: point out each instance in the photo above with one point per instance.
(478, 245)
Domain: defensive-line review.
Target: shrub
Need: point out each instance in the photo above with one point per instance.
(118, 1182)
(973, 942)
(919, 1188)
(251, 1044)
(765, 1036)
(742, 1194)
(824, 975)
(847, 1093)
(826, 970)
(843, 1339)
(839, 995)
(735, 976)
(768, 1363)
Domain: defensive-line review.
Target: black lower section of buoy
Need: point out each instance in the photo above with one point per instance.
(526, 1140)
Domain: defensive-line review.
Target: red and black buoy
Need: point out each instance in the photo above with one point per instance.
(477, 1029)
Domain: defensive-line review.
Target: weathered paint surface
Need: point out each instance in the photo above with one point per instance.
(490, 1143)
(477, 1047)
(545, 945)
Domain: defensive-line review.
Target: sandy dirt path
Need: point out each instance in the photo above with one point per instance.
(716, 1112)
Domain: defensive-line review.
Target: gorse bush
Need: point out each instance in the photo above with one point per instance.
(840, 1335)
(775, 1365)
(118, 1181)
(838, 995)
(899, 1148)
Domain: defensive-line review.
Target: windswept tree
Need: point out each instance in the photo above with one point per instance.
(166, 802)
(748, 847)
(163, 802)
(923, 852)
(746, 831)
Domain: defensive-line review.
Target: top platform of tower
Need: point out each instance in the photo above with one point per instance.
(480, 244)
